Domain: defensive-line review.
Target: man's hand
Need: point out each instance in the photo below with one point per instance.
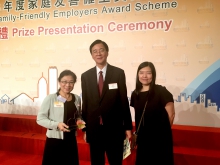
(128, 134)
(84, 136)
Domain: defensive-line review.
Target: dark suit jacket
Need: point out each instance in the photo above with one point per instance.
(112, 106)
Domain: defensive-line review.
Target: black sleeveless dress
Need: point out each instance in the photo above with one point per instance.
(155, 144)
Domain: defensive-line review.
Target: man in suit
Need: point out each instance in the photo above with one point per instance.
(105, 108)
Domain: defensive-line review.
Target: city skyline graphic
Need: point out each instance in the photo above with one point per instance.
(201, 94)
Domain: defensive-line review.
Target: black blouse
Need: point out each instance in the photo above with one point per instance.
(70, 112)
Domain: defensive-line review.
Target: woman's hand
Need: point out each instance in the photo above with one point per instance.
(63, 127)
(80, 123)
(128, 134)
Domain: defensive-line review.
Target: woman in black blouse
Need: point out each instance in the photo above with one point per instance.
(154, 142)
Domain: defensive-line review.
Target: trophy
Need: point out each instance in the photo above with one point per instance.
(75, 123)
(71, 122)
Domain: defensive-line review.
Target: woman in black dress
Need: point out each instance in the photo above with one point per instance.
(154, 142)
(59, 113)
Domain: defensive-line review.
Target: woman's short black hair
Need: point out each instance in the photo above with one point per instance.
(67, 73)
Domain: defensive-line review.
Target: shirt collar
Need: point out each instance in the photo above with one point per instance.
(103, 69)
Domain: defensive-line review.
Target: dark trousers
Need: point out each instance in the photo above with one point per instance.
(112, 148)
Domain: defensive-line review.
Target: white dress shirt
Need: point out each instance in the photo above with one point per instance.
(103, 72)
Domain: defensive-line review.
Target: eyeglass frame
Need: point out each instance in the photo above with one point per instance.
(65, 83)
(98, 51)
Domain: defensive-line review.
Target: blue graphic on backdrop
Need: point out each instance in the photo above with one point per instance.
(208, 83)
(205, 89)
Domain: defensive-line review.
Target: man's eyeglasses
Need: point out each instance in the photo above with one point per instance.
(65, 83)
(98, 51)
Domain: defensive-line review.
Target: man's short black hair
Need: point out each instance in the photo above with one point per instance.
(98, 42)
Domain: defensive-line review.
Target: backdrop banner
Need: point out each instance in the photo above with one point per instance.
(41, 38)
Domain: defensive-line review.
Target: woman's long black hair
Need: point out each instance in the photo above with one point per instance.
(153, 71)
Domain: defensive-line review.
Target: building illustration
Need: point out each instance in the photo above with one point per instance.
(25, 104)
(198, 104)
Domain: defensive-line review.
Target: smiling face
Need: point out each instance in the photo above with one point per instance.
(145, 76)
(99, 55)
(66, 84)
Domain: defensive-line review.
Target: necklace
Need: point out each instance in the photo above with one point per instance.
(67, 98)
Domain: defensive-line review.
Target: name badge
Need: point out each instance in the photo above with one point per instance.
(113, 86)
(58, 104)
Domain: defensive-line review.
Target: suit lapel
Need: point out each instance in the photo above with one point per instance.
(93, 81)
(108, 76)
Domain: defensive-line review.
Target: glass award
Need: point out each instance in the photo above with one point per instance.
(72, 124)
